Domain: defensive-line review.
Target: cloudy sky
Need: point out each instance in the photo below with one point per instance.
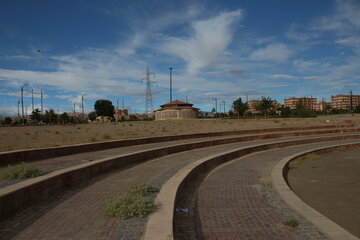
(218, 49)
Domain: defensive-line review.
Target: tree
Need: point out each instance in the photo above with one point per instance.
(284, 111)
(36, 115)
(265, 105)
(92, 116)
(49, 116)
(64, 118)
(357, 109)
(7, 120)
(239, 107)
(104, 108)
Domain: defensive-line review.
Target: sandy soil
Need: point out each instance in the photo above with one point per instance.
(27, 137)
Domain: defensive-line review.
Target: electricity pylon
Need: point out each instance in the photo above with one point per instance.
(149, 108)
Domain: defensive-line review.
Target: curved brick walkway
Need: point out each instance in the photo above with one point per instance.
(77, 214)
(237, 201)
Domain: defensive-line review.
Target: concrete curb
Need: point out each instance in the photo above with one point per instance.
(17, 156)
(160, 223)
(278, 175)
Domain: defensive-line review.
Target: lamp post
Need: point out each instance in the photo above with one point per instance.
(22, 101)
(82, 104)
(170, 83)
(215, 99)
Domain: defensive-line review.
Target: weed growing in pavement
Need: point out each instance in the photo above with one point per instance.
(133, 203)
(20, 171)
(292, 223)
(141, 189)
(93, 139)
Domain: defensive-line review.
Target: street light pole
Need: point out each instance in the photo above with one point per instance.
(32, 99)
(215, 99)
(22, 101)
(82, 104)
(170, 83)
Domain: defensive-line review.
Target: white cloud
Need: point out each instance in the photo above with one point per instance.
(282, 76)
(300, 35)
(209, 40)
(312, 77)
(345, 19)
(277, 52)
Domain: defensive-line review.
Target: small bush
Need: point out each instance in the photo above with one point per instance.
(127, 205)
(292, 223)
(20, 171)
(132, 203)
(141, 189)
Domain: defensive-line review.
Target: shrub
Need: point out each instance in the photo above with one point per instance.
(141, 189)
(132, 203)
(20, 171)
(292, 223)
(127, 205)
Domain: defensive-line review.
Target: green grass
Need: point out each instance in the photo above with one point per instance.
(292, 223)
(20, 171)
(133, 203)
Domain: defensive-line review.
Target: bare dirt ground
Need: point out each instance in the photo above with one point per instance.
(28, 137)
(330, 183)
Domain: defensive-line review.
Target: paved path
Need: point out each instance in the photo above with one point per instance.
(331, 185)
(77, 214)
(237, 201)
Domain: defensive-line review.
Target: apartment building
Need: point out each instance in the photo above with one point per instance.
(253, 103)
(308, 102)
(341, 101)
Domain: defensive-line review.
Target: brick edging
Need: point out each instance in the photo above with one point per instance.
(279, 176)
(18, 156)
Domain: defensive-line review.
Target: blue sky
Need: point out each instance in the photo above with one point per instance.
(223, 49)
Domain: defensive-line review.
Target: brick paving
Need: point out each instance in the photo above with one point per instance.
(77, 214)
(237, 201)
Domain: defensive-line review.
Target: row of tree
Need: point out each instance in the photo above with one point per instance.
(266, 107)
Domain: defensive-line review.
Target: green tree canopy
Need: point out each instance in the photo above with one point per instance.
(92, 116)
(49, 116)
(104, 108)
(240, 107)
(64, 118)
(36, 115)
(265, 105)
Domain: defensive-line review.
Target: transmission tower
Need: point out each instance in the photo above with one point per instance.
(149, 108)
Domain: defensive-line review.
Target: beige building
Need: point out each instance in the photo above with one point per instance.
(176, 110)
(341, 101)
(121, 114)
(309, 103)
(253, 103)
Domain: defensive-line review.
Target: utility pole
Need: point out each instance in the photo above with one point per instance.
(117, 103)
(224, 105)
(22, 101)
(42, 105)
(19, 101)
(187, 99)
(82, 105)
(215, 99)
(122, 101)
(247, 97)
(170, 83)
(149, 108)
(32, 99)
(74, 111)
